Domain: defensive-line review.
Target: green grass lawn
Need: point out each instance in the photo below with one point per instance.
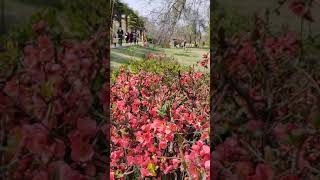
(120, 56)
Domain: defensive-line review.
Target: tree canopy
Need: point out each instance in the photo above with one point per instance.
(122, 10)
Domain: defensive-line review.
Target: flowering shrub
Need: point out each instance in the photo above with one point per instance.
(265, 106)
(204, 61)
(160, 124)
(156, 56)
(48, 127)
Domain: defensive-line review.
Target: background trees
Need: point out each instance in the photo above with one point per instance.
(185, 19)
(121, 12)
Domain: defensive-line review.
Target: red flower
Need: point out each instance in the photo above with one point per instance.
(207, 165)
(163, 145)
(40, 26)
(86, 126)
(42, 175)
(206, 149)
(298, 7)
(36, 138)
(263, 172)
(12, 87)
(244, 168)
(81, 151)
(290, 177)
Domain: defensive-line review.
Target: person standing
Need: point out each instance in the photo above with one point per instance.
(130, 37)
(134, 36)
(120, 35)
(138, 37)
(115, 39)
(127, 37)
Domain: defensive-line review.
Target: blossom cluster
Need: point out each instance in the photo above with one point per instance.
(266, 122)
(160, 125)
(156, 56)
(46, 110)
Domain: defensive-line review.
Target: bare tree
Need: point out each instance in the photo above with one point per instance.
(172, 12)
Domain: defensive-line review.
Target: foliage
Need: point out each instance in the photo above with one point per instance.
(52, 119)
(152, 66)
(55, 3)
(120, 9)
(233, 22)
(75, 19)
(136, 22)
(266, 104)
(160, 121)
(86, 16)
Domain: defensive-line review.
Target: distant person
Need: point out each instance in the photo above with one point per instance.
(127, 37)
(137, 38)
(115, 39)
(145, 42)
(134, 36)
(120, 35)
(175, 43)
(130, 37)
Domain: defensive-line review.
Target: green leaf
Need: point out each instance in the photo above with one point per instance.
(316, 121)
(120, 175)
(297, 136)
(98, 82)
(163, 111)
(47, 90)
(152, 169)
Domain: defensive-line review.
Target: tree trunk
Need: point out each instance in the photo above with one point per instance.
(126, 20)
(120, 20)
(200, 39)
(195, 39)
(141, 35)
(120, 23)
(2, 20)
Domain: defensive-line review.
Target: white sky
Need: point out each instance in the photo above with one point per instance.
(143, 7)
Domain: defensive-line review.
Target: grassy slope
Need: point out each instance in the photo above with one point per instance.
(121, 56)
(188, 58)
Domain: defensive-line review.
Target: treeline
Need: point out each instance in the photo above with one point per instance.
(15, 12)
(56, 3)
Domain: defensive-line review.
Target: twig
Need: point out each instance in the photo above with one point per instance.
(253, 151)
(315, 84)
(245, 96)
(184, 163)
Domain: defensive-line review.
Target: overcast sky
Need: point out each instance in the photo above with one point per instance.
(143, 7)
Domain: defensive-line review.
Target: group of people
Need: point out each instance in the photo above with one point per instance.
(129, 37)
(183, 44)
